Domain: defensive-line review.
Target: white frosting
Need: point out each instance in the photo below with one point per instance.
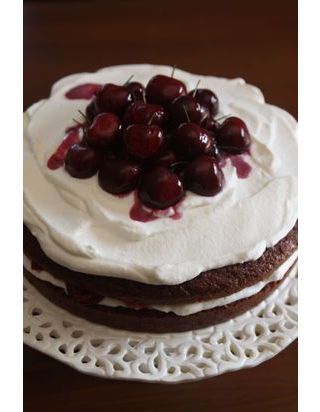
(84, 228)
(181, 309)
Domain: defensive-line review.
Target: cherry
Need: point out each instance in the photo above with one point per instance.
(207, 100)
(137, 91)
(166, 159)
(160, 188)
(190, 140)
(118, 176)
(185, 109)
(210, 124)
(104, 130)
(145, 113)
(163, 89)
(113, 98)
(203, 176)
(143, 141)
(82, 162)
(233, 135)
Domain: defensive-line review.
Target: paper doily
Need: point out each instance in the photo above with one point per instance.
(245, 341)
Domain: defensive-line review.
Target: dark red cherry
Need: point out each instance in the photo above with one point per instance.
(185, 109)
(190, 140)
(145, 113)
(143, 141)
(113, 98)
(160, 188)
(163, 90)
(166, 159)
(207, 99)
(91, 111)
(137, 91)
(118, 176)
(203, 176)
(104, 130)
(233, 135)
(82, 162)
(210, 124)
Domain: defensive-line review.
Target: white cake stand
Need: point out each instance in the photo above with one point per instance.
(243, 342)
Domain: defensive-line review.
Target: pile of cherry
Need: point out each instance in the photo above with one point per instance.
(159, 140)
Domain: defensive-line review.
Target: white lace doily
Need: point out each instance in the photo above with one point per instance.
(245, 341)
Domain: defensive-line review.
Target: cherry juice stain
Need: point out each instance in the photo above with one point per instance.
(83, 91)
(140, 214)
(57, 159)
(243, 168)
(36, 266)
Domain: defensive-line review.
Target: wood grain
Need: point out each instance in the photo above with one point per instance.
(249, 39)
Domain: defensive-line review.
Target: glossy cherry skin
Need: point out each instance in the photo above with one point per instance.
(145, 113)
(233, 136)
(166, 159)
(163, 90)
(210, 124)
(190, 141)
(104, 130)
(82, 161)
(118, 176)
(207, 99)
(137, 91)
(113, 98)
(185, 109)
(203, 176)
(160, 188)
(143, 141)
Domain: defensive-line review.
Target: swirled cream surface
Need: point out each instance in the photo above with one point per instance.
(86, 229)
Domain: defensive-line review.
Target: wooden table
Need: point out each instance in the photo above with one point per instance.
(249, 39)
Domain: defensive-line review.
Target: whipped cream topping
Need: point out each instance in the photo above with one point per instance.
(86, 229)
(182, 309)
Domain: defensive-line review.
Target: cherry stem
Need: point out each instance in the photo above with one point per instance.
(84, 116)
(186, 113)
(151, 118)
(77, 122)
(222, 117)
(128, 81)
(173, 70)
(144, 97)
(196, 88)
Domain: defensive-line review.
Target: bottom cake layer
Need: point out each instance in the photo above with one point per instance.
(148, 320)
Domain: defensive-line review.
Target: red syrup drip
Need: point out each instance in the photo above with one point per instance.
(243, 168)
(83, 91)
(57, 159)
(35, 266)
(140, 214)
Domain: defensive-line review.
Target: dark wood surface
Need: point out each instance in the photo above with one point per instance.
(249, 39)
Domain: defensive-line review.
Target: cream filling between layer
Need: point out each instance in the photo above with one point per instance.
(181, 309)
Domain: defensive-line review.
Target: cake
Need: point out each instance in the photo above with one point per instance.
(157, 200)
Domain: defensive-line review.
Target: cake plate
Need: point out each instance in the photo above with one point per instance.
(246, 341)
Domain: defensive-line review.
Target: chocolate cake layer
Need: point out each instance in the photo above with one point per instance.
(211, 284)
(147, 320)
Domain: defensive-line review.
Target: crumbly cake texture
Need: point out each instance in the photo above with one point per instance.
(211, 284)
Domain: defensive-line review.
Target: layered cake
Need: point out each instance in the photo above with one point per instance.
(157, 200)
